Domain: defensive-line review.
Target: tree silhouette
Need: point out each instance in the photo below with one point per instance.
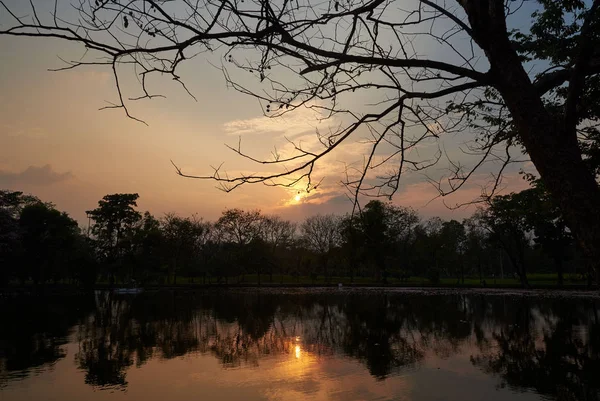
(182, 236)
(385, 230)
(48, 238)
(453, 237)
(550, 230)
(11, 206)
(279, 236)
(321, 235)
(505, 220)
(9, 246)
(114, 220)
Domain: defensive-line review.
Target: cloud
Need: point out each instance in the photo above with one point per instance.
(289, 124)
(33, 176)
(21, 131)
(421, 196)
(334, 204)
(91, 76)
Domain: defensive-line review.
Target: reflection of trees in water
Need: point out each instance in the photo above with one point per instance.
(241, 329)
(555, 351)
(125, 331)
(105, 343)
(380, 333)
(33, 334)
(550, 346)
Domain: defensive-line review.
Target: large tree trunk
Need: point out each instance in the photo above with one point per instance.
(552, 146)
(518, 264)
(556, 155)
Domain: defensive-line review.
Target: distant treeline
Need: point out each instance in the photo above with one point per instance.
(514, 235)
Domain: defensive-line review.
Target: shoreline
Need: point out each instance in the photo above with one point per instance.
(573, 290)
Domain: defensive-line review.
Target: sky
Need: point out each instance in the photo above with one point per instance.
(55, 143)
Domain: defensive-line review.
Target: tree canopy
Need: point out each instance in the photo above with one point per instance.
(517, 237)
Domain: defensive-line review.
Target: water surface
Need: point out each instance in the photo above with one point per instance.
(299, 345)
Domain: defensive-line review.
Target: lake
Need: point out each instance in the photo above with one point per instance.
(324, 344)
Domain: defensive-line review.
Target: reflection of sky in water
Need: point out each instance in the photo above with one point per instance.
(297, 376)
(300, 352)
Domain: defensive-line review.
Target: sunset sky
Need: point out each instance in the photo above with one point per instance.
(56, 144)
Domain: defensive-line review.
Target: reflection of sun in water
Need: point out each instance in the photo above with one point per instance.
(298, 351)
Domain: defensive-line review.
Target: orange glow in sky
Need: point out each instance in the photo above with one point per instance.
(57, 145)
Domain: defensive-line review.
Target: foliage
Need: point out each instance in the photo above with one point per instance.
(114, 219)
(382, 231)
(517, 234)
(114, 222)
(506, 223)
(321, 235)
(49, 239)
(183, 237)
(13, 202)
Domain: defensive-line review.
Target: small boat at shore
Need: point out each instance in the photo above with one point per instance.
(128, 290)
(131, 289)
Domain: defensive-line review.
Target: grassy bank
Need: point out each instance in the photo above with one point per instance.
(536, 281)
(546, 280)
